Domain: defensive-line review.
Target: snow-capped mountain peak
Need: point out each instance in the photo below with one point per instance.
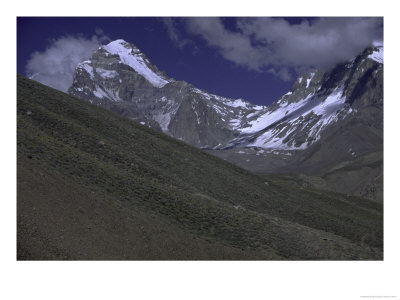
(131, 56)
(317, 101)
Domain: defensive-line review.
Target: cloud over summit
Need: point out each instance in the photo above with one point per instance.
(56, 65)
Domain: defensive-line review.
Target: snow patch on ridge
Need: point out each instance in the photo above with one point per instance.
(270, 140)
(270, 117)
(88, 68)
(326, 110)
(106, 74)
(133, 58)
(237, 103)
(99, 93)
(163, 118)
(377, 55)
(309, 79)
(196, 113)
(226, 101)
(329, 111)
(206, 95)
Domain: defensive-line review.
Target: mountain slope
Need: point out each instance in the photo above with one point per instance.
(94, 185)
(121, 78)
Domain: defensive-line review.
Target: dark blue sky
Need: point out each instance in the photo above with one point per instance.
(197, 64)
(212, 59)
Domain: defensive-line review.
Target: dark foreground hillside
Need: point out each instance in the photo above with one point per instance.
(94, 185)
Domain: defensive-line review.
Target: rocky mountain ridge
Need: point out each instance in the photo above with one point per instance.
(121, 78)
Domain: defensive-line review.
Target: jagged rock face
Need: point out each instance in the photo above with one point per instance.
(119, 77)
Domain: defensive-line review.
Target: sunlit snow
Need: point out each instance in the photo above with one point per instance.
(237, 103)
(309, 79)
(99, 93)
(163, 118)
(270, 117)
(85, 66)
(227, 101)
(377, 55)
(134, 59)
(326, 109)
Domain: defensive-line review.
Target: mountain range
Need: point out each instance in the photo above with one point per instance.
(328, 129)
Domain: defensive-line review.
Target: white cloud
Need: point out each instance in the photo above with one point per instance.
(56, 65)
(273, 44)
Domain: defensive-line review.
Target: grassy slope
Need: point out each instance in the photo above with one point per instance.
(94, 185)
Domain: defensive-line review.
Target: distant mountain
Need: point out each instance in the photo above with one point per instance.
(328, 118)
(336, 119)
(94, 185)
(316, 102)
